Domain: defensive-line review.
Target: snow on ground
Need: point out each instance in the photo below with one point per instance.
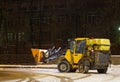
(53, 75)
(113, 75)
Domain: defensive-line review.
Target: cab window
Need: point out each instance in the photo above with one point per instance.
(80, 46)
(72, 46)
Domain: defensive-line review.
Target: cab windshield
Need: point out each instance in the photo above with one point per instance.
(80, 46)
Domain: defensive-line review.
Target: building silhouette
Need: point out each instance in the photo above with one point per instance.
(25, 24)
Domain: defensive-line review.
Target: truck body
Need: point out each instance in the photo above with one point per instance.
(86, 54)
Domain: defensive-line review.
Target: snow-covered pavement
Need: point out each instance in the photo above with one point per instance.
(52, 75)
(113, 75)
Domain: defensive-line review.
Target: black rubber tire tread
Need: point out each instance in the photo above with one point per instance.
(65, 64)
(102, 70)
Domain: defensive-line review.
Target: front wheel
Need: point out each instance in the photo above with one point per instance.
(102, 70)
(64, 66)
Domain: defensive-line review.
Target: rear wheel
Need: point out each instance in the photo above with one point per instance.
(82, 67)
(102, 70)
(64, 66)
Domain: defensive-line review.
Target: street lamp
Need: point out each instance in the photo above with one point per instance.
(119, 34)
(118, 28)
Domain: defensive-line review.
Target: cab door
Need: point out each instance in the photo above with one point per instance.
(79, 50)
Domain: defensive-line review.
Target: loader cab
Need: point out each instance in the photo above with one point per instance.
(77, 46)
(77, 49)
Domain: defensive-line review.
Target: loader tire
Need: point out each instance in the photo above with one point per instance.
(82, 67)
(64, 66)
(102, 70)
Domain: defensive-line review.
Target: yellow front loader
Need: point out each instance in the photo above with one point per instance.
(86, 54)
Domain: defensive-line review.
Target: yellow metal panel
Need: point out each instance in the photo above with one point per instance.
(89, 42)
(104, 48)
(101, 41)
(77, 57)
(99, 44)
(81, 38)
(68, 56)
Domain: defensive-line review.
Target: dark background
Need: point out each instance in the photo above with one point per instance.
(25, 24)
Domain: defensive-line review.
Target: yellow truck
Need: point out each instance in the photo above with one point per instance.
(86, 54)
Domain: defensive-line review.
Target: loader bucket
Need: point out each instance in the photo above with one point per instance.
(37, 54)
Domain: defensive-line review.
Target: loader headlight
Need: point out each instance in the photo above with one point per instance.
(92, 50)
